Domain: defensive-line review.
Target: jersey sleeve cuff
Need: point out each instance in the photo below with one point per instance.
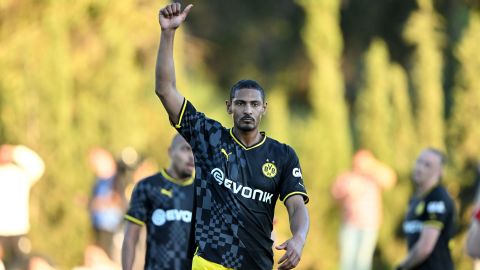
(306, 199)
(134, 220)
(180, 117)
(433, 224)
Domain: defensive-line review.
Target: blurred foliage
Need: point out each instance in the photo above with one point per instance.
(341, 75)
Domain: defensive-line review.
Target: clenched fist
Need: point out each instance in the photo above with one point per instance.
(171, 16)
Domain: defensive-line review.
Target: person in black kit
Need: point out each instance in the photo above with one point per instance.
(240, 172)
(429, 223)
(163, 203)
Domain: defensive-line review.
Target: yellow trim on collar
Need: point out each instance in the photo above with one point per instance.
(251, 147)
(176, 181)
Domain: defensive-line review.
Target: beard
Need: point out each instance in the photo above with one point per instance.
(246, 127)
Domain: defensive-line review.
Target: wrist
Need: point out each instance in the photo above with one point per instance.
(298, 238)
(168, 31)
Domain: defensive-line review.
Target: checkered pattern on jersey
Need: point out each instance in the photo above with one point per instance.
(229, 229)
(167, 244)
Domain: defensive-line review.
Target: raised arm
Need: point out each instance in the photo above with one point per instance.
(170, 18)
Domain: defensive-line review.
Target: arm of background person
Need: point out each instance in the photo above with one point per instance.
(384, 176)
(132, 233)
(473, 237)
(170, 18)
(422, 248)
(29, 161)
(299, 224)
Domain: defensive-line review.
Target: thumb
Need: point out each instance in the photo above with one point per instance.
(282, 246)
(187, 10)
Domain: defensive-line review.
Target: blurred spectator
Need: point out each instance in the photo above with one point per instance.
(106, 205)
(145, 168)
(96, 259)
(20, 168)
(429, 224)
(359, 192)
(473, 238)
(39, 263)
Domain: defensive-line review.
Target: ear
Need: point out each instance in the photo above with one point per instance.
(228, 104)
(265, 108)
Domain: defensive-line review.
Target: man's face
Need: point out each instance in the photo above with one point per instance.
(427, 167)
(247, 108)
(182, 159)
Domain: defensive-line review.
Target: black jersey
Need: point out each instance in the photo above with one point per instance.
(164, 205)
(433, 209)
(236, 190)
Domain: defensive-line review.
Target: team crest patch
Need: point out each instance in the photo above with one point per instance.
(269, 169)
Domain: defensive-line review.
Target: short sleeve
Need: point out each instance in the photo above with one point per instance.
(139, 205)
(195, 127)
(291, 178)
(436, 212)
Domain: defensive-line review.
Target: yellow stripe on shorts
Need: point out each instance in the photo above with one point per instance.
(200, 263)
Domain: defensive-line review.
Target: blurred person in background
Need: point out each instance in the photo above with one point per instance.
(145, 167)
(473, 238)
(360, 193)
(20, 168)
(95, 258)
(163, 203)
(106, 205)
(429, 223)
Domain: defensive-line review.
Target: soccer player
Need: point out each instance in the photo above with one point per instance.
(163, 203)
(429, 223)
(240, 172)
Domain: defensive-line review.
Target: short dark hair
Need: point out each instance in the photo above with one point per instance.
(246, 84)
(440, 154)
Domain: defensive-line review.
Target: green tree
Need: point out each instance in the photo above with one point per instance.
(464, 131)
(372, 107)
(424, 30)
(328, 143)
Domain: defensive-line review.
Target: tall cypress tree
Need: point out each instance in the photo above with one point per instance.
(464, 128)
(403, 135)
(372, 107)
(424, 30)
(327, 149)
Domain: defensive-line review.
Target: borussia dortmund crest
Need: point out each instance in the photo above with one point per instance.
(269, 169)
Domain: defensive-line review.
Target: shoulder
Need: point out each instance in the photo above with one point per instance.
(279, 147)
(155, 179)
(439, 193)
(438, 201)
(194, 113)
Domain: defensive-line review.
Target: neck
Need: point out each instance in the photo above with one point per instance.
(248, 138)
(176, 175)
(426, 187)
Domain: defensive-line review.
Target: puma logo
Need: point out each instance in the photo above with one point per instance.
(227, 155)
(166, 192)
